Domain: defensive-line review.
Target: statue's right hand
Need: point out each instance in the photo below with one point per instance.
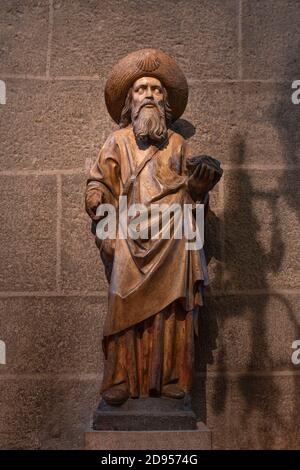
(93, 199)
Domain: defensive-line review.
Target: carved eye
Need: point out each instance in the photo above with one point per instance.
(140, 90)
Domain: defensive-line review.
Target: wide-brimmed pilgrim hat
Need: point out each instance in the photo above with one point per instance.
(143, 63)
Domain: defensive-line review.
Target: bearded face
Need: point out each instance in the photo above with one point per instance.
(147, 108)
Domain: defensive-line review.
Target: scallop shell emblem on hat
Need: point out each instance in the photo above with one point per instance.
(149, 63)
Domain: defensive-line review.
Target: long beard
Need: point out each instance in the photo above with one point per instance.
(149, 123)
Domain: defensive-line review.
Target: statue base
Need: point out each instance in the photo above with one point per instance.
(197, 439)
(146, 414)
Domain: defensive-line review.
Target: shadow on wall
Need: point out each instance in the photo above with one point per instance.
(257, 414)
(184, 128)
(285, 117)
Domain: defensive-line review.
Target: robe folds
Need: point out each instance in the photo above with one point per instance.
(147, 276)
(156, 352)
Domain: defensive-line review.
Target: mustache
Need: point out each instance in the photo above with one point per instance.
(158, 105)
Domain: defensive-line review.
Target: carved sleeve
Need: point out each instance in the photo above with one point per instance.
(104, 177)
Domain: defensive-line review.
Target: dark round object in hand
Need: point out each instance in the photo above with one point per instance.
(193, 162)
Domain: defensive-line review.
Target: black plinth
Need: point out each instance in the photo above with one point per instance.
(146, 414)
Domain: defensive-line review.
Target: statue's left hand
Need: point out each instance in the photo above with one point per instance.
(202, 180)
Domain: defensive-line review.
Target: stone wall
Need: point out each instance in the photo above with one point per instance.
(240, 58)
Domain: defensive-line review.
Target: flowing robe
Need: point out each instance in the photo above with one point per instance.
(155, 284)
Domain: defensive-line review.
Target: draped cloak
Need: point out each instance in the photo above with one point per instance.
(147, 275)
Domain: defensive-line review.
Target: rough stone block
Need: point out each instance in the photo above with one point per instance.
(82, 268)
(265, 413)
(200, 35)
(211, 403)
(244, 123)
(71, 408)
(61, 121)
(46, 413)
(271, 35)
(261, 219)
(28, 233)
(23, 411)
(24, 36)
(248, 332)
(53, 334)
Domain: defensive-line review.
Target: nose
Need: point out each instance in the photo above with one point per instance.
(149, 93)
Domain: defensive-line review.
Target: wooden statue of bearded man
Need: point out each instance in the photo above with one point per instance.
(155, 285)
